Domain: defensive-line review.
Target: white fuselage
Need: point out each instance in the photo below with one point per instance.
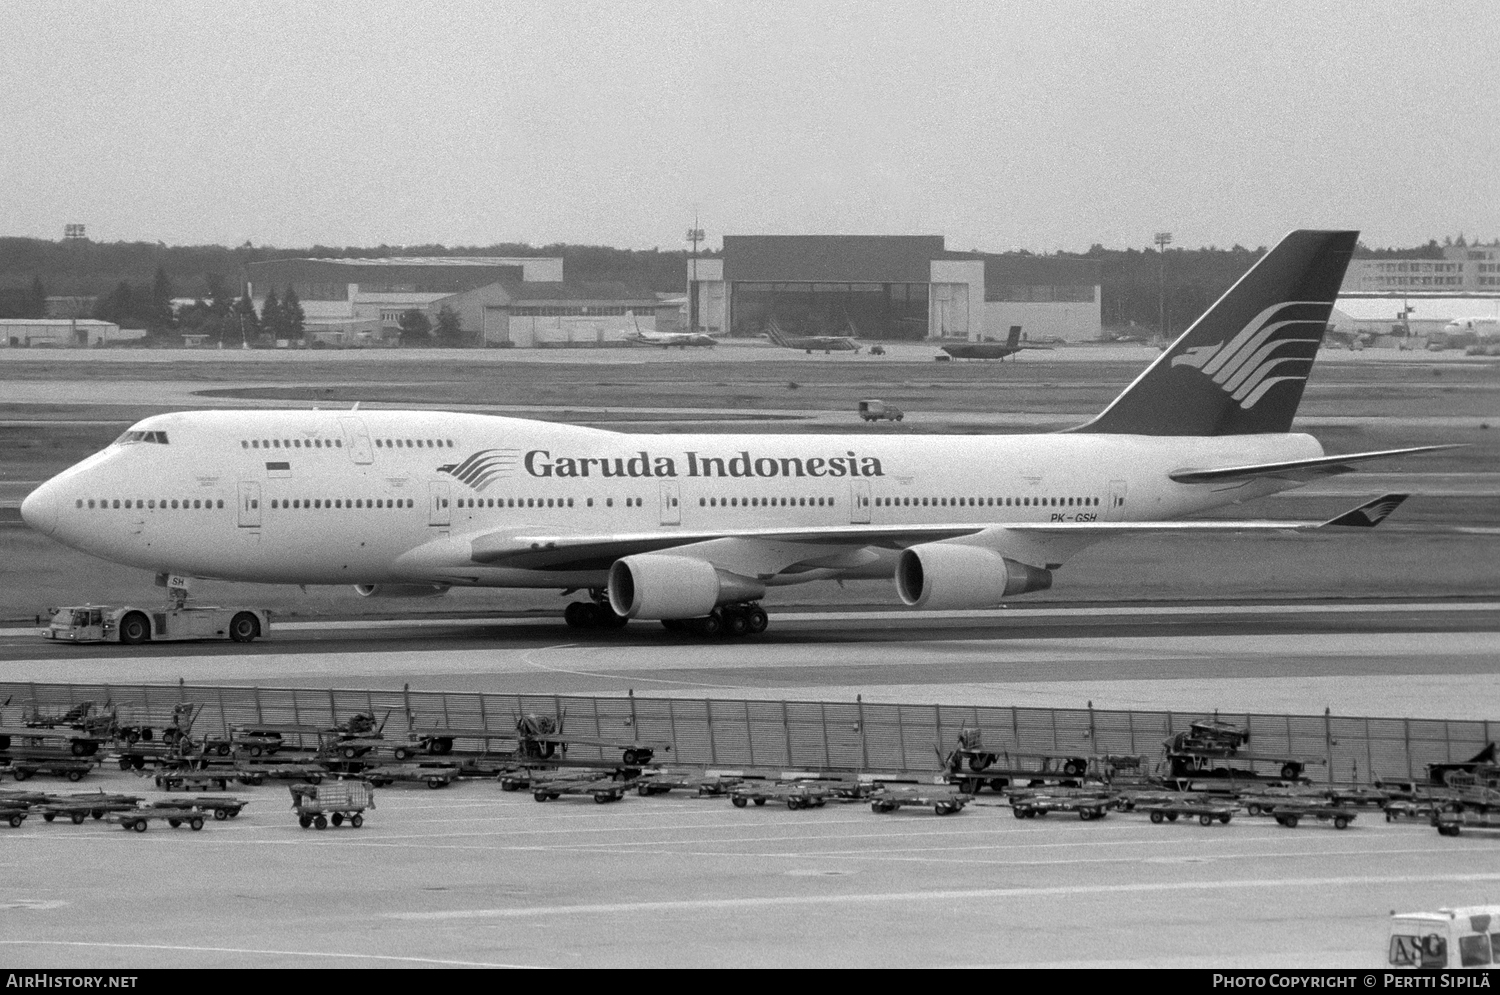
(337, 497)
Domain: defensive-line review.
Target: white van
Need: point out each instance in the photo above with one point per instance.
(1465, 937)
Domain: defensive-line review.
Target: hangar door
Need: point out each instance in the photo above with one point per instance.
(950, 310)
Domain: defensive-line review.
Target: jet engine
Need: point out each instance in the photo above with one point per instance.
(401, 590)
(940, 575)
(655, 585)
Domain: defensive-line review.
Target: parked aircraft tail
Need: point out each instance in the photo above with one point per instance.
(1013, 340)
(1241, 368)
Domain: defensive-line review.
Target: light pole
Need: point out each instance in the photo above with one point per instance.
(694, 235)
(1162, 240)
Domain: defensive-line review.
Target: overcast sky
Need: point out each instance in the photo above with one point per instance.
(1002, 125)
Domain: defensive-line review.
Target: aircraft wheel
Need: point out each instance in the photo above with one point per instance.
(243, 627)
(736, 624)
(605, 618)
(577, 614)
(673, 624)
(758, 620)
(709, 625)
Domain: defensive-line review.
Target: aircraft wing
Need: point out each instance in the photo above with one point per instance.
(769, 551)
(1302, 469)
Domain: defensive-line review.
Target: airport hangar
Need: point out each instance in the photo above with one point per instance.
(894, 287)
(500, 301)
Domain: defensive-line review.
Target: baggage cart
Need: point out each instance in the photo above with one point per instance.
(602, 790)
(941, 799)
(1290, 815)
(335, 801)
(73, 770)
(1206, 812)
(221, 807)
(140, 818)
(1088, 805)
(433, 777)
(191, 780)
(795, 796)
(14, 815)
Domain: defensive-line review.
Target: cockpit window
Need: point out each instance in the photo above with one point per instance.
(135, 436)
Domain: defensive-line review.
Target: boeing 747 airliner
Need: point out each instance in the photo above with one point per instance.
(693, 529)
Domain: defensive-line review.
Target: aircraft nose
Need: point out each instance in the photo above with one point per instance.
(39, 510)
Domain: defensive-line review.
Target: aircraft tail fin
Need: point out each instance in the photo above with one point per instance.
(1240, 368)
(774, 333)
(1014, 338)
(1369, 514)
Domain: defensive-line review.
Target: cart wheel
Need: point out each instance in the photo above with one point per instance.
(1340, 822)
(48, 816)
(1019, 813)
(126, 763)
(540, 796)
(1291, 822)
(78, 818)
(195, 823)
(1253, 809)
(1085, 814)
(350, 752)
(20, 775)
(338, 818)
(401, 753)
(436, 782)
(944, 809)
(1205, 820)
(223, 749)
(320, 822)
(1171, 816)
(234, 812)
(794, 803)
(760, 801)
(1157, 817)
(75, 775)
(628, 757)
(97, 813)
(174, 823)
(600, 797)
(140, 825)
(221, 814)
(1289, 771)
(304, 821)
(140, 763)
(738, 802)
(16, 820)
(1224, 818)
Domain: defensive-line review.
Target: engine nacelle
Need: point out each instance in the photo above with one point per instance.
(401, 590)
(655, 585)
(941, 575)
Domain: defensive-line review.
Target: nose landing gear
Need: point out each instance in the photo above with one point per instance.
(595, 614)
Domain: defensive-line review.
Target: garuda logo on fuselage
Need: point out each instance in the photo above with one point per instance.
(1281, 340)
(482, 467)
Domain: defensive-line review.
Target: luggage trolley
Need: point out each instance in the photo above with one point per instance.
(317, 805)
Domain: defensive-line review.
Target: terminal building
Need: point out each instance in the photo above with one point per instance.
(1464, 269)
(891, 287)
(500, 301)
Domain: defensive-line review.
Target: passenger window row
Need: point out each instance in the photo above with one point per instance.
(291, 443)
(991, 502)
(413, 443)
(515, 502)
(764, 502)
(307, 504)
(186, 504)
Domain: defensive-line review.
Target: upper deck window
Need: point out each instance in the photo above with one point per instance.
(135, 436)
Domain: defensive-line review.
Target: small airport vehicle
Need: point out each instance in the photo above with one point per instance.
(1169, 811)
(797, 795)
(540, 737)
(222, 808)
(254, 774)
(942, 800)
(1448, 938)
(13, 815)
(873, 410)
(336, 801)
(1088, 804)
(1289, 814)
(138, 819)
(73, 770)
(191, 780)
(602, 789)
(433, 777)
(178, 621)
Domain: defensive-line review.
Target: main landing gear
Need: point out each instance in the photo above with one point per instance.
(728, 620)
(594, 614)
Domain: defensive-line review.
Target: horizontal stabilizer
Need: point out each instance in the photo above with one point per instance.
(1302, 469)
(1369, 514)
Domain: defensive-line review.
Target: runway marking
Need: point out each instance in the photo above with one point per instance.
(526, 659)
(1101, 611)
(945, 895)
(274, 953)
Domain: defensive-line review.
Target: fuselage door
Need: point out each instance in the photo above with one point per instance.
(1116, 510)
(358, 440)
(249, 504)
(437, 491)
(671, 507)
(859, 502)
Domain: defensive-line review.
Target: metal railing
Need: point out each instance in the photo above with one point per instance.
(835, 735)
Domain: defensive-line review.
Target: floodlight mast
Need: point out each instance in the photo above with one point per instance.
(694, 235)
(1162, 240)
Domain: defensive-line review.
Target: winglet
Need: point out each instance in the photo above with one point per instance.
(1369, 514)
